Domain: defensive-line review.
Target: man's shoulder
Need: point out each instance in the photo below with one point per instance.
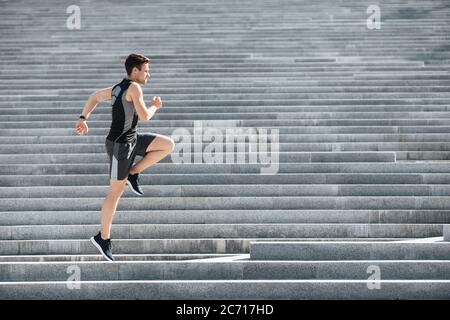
(134, 88)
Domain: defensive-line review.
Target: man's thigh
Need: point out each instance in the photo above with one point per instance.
(143, 142)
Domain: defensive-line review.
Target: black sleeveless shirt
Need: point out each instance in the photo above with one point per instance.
(124, 115)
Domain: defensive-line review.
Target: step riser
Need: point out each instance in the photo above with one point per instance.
(234, 191)
(227, 216)
(447, 232)
(189, 231)
(264, 158)
(350, 251)
(248, 168)
(242, 123)
(242, 290)
(155, 246)
(239, 203)
(238, 147)
(372, 139)
(199, 179)
(337, 111)
(169, 130)
(224, 270)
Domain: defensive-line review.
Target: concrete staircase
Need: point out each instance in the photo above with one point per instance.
(357, 209)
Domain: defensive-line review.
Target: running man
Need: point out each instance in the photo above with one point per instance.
(123, 142)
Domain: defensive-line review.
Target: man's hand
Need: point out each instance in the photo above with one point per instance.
(81, 127)
(156, 101)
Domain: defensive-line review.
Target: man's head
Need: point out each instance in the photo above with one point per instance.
(137, 68)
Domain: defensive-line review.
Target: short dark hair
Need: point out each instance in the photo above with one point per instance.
(135, 60)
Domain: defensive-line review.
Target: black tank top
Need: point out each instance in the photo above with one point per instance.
(124, 115)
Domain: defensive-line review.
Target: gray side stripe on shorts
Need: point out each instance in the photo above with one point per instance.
(114, 167)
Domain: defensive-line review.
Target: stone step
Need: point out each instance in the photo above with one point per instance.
(242, 190)
(359, 116)
(89, 67)
(117, 257)
(240, 123)
(223, 231)
(430, 75)
(218, 84)
(142, 246)
(356, 138)
(236, 178)
(210, 269)
(421, 155)
(236, 68)
(435, 27)
(32, 217)
(271, 156)
(54, 99)
(329, 111)
(272, 72)
(447, 232)
(340, 250)
(355, 130)
(316, 131)
(255, 75)
(229, 289)
(172, 89)
(236, 146)
(351, 168)
(240, 203)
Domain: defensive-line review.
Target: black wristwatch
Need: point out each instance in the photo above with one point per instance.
(82, 117)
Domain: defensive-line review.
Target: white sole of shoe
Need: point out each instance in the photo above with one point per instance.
(134, 191)
(100, 249)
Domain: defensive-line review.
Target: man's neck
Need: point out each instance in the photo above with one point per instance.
(132, 79)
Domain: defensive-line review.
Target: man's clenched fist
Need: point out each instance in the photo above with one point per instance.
(156, 101)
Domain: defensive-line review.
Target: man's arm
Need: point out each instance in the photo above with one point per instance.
(137, 97)
(96, 98)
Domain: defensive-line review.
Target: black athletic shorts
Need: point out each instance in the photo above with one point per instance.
(122, 155)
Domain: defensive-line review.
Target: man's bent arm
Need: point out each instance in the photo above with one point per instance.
(96, 98)
(144, 113)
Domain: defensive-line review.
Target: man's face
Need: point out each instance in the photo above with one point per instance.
(142, 75)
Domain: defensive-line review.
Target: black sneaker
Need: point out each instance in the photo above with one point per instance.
(133, 183)
(104, 246)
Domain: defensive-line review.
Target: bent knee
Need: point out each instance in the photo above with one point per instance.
(166, 143)
(170, 144)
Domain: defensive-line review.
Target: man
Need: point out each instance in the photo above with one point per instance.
(123, 143)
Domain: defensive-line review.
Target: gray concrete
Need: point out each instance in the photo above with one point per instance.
(339, 250)
(206, 269)
(148, 246)
(219, 231)
(229, 289)
(447, 232)
(364, 126)
(55, 217)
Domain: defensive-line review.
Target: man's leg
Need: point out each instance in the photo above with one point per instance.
(109, 206)
(157, 150)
